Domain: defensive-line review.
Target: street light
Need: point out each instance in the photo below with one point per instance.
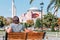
(41, 4)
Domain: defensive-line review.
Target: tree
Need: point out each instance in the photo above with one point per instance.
(30, 22)
(38, 23)
(31, 1)
(50, 20)
(8, 20)
(3, 20)
(58, 21)
(56, 5)
(26, 25)
(1, 24)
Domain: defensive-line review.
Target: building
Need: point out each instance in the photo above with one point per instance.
(31, 14)
(13, 9)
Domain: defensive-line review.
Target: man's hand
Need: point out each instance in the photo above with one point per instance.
(8, 30)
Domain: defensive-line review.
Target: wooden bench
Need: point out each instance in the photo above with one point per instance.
(35, 36)
(17, 36)
(25, 36)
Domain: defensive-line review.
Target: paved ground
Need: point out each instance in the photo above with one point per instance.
(52, 38)
(2, 35)
(2, 38)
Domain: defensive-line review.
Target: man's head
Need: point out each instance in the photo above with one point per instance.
(15, 20)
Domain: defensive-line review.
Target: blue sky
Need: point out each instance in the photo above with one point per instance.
(21, 6)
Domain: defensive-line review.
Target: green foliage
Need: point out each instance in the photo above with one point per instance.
(50, 21)
(1, 24)
(3, 20)
(31, 1)
(55, 3)
(30, 22)
(27, 25)
(8, 20)
(38, 23)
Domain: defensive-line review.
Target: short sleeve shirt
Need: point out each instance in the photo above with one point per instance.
(17, 27)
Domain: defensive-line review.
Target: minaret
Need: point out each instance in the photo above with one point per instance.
(13, 9)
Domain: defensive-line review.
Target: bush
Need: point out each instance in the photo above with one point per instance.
(1, 24)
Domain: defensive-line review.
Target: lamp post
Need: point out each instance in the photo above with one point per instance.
(41, 4)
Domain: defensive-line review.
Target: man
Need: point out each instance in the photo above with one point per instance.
(15, 26)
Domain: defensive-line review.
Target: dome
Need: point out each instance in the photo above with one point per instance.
(34, 8)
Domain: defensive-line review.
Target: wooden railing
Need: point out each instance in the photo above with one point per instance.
(26, 36)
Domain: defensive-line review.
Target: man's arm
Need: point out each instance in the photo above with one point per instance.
(27, 30)
(8, 30)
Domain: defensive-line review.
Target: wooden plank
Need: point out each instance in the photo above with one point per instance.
(15, 36)
(24, 36)
(35, 36)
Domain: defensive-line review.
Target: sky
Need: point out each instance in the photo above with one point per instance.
(21, 6)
